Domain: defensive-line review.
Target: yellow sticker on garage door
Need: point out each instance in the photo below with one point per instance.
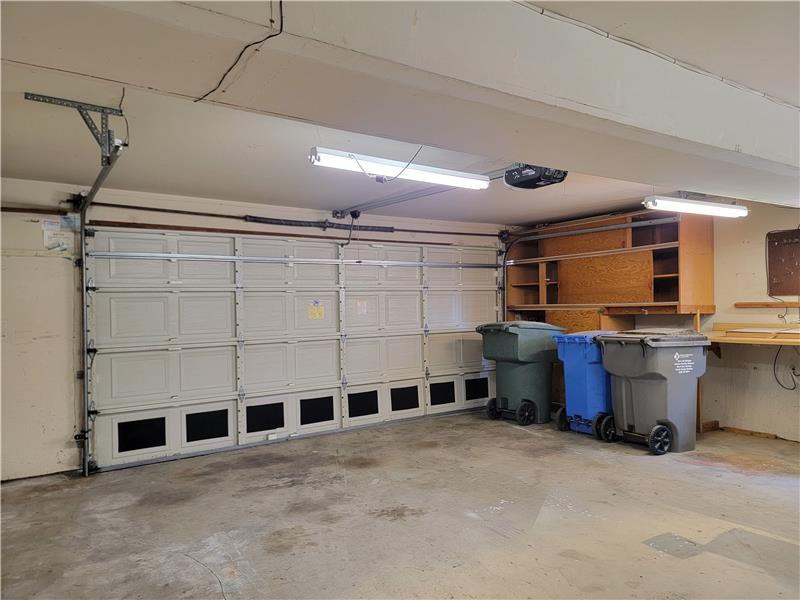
(316, 310)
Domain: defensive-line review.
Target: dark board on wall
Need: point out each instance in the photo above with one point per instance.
(783, 262)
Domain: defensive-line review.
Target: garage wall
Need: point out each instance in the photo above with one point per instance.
(36, 383)
(739, 389)
(39, 356)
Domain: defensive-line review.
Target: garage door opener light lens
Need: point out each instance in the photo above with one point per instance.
(384, 168)
(695, 207)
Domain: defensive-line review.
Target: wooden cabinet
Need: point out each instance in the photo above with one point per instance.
(578, 273)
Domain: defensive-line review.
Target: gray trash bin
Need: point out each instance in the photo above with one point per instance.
(654, 376)
(524, 352)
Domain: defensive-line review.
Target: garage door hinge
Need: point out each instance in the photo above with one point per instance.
(427, 373)
(90, 232)
(344, 382)
(426, 330)
(241, 393)
(81, 437)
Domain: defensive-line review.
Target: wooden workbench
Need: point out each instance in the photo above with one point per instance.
(756, 334)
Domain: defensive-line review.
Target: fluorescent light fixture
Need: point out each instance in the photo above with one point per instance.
(694, 206)
(383, 167)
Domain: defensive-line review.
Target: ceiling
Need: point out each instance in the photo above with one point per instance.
(197, 149)
(753, 43)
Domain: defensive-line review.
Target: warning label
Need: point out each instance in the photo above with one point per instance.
(684, 363)
(316, 310)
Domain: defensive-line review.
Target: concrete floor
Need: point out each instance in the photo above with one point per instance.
(455, 506)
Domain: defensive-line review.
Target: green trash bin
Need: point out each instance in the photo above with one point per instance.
(524, 352)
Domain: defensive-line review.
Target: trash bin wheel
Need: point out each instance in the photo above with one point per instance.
(561, 419)
(596, 421)
(660, 439)
(491, 409)
(526, 413)
(607, 430)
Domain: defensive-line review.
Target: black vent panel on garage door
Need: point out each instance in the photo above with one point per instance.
(265, 417)
(405, 398)
(138, 435)
(443, 393)
(475, 389)
(361, 404)
(316, 410)
(206, 425)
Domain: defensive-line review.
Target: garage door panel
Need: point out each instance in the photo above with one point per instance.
(441, 276)
(443, 309)
(123, 271)
(362, 311)
(130, 378)
(482, 277)
(478, 307)
(206, 316)
(207, 371)
(472, 351)
(403, 310)
(268, 417)
(268, 366)
(317, 362)
(444, 352)
(318, 410)
(133, 318)
(205, 426)
(265, 314)
(205, 272)
(363, 359)
(264, 274)
(315, 275)
(316, 313)
(361, 275)
(403, 356)
(403, 276)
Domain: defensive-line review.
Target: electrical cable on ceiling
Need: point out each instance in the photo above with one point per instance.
(243, 50)
(127, 126)
(408, 164)
(791, 372)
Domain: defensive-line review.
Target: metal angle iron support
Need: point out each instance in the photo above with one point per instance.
(103, 136)
(110, 149)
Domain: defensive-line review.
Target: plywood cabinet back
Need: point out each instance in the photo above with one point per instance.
(606, 279)
(585, 242)
(696, 263)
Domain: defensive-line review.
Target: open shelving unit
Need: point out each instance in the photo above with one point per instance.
(598, 273)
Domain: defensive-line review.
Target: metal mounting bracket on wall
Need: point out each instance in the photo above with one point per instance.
(110, 148)
(103, 136)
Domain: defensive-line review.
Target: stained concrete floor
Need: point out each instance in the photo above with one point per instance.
(455, 506)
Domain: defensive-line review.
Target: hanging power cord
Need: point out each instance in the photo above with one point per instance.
(244, 49)
(127, 126)
(383, 178)
(792, 371)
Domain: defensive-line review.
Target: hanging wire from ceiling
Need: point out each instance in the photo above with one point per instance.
(127, 126)
(243, 50)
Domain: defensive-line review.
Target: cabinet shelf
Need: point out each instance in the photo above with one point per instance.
(665, 276)
(581, 255)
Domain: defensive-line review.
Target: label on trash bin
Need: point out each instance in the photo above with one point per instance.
(684, 363)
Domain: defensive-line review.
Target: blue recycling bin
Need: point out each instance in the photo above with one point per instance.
(587, 384)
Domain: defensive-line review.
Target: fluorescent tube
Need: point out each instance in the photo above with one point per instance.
(694, 206)
(383, 167)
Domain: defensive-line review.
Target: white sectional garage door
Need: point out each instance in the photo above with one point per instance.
(192, 355)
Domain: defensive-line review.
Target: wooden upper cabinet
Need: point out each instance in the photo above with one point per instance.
(646, 262)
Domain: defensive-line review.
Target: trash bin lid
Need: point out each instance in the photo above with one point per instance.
(582, 337)
(507, 325)
(658, 337)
